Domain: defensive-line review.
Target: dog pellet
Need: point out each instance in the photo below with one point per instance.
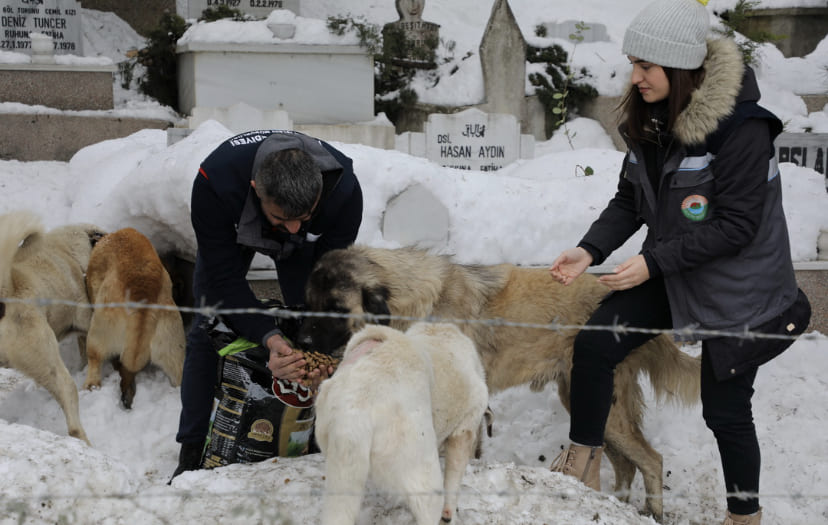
(314, 360)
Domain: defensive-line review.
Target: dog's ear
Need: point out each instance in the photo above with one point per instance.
(375, 301)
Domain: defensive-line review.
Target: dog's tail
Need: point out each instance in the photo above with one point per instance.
(20, 231)
(140, 327)
(674, 374)
(168, 345)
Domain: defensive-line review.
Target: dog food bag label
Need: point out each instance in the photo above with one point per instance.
(292, 394)
(262, 437)
(252, 424)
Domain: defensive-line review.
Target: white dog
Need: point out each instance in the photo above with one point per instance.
(395, 400)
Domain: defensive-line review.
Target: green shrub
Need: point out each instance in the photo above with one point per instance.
(560, 91)
(159, 62)
(211, 14)
(737, 21)
(392, 77)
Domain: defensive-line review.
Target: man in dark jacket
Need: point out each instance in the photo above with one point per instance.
(283, 194)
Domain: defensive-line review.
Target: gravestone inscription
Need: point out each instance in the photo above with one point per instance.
(594, 32)
(257, 8)
(473, 140)
(59, 19)
(809, 150)
(411, 41)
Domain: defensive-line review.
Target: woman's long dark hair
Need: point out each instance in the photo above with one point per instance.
(635, 112)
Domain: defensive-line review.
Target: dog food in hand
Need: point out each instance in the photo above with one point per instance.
(314, 360)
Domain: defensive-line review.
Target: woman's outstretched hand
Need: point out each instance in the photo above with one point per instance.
(570, 264)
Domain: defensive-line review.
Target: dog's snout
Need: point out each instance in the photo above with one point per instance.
(305, 341)
(304, 338)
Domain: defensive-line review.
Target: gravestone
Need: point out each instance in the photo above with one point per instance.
(290, 76)
(143, 16)
(594, 33)
(421, 36)
(59, 19)
(473, 140)
(800, 29)
(257, 8)
(411, 142)
(241, 117)
(503, 59)
(809, 150)
(415, 217)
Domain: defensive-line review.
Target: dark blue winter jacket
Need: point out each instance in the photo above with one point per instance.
(230, 228)
(716, 230)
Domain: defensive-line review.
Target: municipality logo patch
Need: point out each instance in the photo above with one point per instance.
(695, 207)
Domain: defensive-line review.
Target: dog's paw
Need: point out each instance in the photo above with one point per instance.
(92, 385)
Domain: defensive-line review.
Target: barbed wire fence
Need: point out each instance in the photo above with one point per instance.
(687, 334)
(255, 505)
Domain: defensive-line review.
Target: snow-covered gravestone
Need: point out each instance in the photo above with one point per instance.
(59, 19)
(473, 140)
(257, 8)
(416, 217)
(809, 150)
(592, 32)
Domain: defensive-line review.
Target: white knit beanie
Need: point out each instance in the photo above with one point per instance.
(669, 33)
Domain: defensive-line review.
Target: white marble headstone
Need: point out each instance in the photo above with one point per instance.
(472, 140)
(804, 149)
(59, 19)
(595, 32)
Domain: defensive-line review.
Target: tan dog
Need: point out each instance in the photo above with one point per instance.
(415, 284)
(124, 267)
(395, 400)
(37, 265)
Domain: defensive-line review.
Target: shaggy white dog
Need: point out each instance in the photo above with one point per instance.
(396, 400)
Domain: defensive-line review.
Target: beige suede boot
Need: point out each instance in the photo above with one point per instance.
(581, 462)
(739, 519)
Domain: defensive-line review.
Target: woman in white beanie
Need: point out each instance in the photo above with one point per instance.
(700, 173)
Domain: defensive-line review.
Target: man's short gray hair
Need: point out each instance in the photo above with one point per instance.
(290, 179)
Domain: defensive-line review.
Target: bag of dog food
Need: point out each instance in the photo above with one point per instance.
(255, 417)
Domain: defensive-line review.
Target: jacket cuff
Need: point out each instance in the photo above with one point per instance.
(652, 265)
(597, 256)
(270, 334)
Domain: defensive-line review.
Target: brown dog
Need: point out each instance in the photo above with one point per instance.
(38, 265)
(415, 284)
(124, 267)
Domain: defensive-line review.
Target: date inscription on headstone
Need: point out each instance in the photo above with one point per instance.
(60, 19)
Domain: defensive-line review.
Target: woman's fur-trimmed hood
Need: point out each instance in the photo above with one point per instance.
(717, 96)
